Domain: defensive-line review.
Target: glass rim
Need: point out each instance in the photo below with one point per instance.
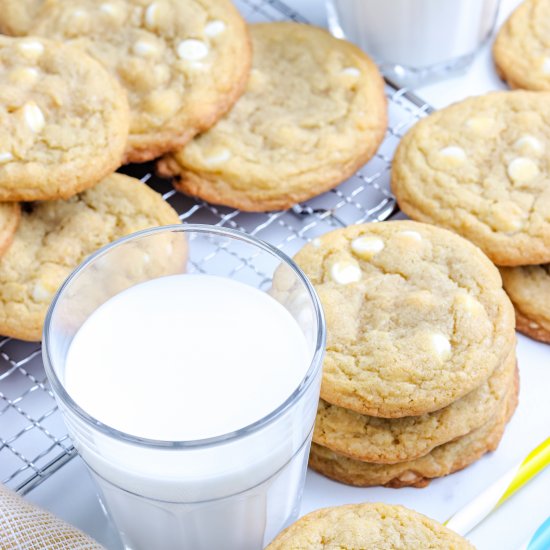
(315, 364)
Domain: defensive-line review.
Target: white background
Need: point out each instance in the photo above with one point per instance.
(69, 493)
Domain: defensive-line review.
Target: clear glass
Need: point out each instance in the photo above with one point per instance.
(415, 41)
(235, 491)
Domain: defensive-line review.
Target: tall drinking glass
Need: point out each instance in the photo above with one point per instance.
(415, 41)
(233, 491)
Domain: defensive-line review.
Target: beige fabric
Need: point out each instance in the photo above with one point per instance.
(24, 526)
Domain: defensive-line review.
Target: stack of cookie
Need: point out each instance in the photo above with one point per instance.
(480, 168)
(420, 376)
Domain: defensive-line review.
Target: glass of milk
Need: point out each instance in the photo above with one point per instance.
(415, 41)
(186, 361)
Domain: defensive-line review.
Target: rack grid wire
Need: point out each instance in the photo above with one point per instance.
(33, 438)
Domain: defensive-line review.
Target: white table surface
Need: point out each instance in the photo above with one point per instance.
(70, 494)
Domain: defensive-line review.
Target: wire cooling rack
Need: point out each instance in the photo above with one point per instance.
(33, 438)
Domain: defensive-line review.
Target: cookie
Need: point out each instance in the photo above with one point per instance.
(372, 525)
(54, 237)
(388, 441)
(183, 64)
(313, 113)
(529, 289)
(416, 317)
(481, 168)
(63, 120)
(522, 47)
(439, 462)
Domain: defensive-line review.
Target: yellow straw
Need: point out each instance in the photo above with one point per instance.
(489, 500)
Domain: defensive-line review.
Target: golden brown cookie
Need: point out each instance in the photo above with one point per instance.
(522, 47)
(63, 120)
(373, 526)
(441, 461)
(54, 237)
(529, 290)
(481, 168)
(313, 113)
(183, 64)
(391, 440)
(416, 317)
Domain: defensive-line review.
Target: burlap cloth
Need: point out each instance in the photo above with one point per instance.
(24, 526)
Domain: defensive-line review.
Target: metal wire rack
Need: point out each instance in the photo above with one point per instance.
(33, 439)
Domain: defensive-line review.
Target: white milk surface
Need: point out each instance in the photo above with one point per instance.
(186, 357)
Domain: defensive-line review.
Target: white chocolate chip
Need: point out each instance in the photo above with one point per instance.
(352, 71)
(34, 117)
(24, 75)
(408, 476)
(367, 247)
(79, 14)
(218, 157)
(440, 345)
(145, 48)
(522, 170)
(546, 65)
(480, 124)
(40, 293)
(151, 15)
(413, 237)
(214, 28)
(506, 216)
(108, 8)
(316, 242)
(146, 258)
(5, 156)
(32, 48)
(515, 224)
(529, 144)
(192, 50)
(532, 324)
(468, 304)
(197, 65)
(113, 11)
(453, 153)
(163, 103)
(345, 272)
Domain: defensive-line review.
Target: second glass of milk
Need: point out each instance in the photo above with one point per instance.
(186, 361)
(415, 41)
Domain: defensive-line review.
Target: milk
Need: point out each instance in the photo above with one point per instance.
(186, 358)
(419, 36)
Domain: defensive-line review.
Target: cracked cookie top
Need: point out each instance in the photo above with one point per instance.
(63, 120)
(522, 46)
(481, 168)
(313, 113)
(416, 316)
